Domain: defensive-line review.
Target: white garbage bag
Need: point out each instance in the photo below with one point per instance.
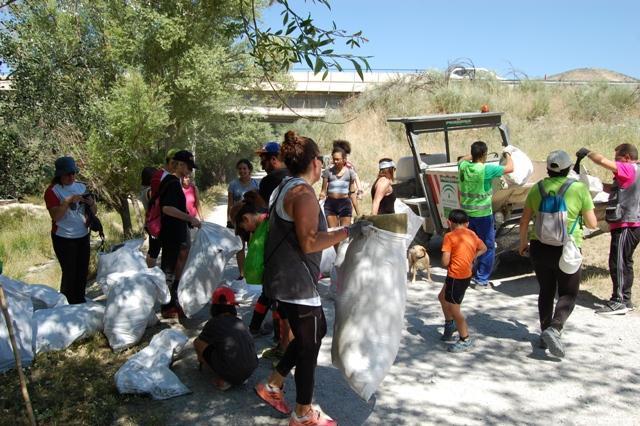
(370, 305)
(126, 258)
(414, 222)
(334, 276)
(212, 248)
(131, 304)
(245, 293)
(57, 328)
(327, 261)
(147, 372)
(42, 296)
(21, 312)
(522, 167)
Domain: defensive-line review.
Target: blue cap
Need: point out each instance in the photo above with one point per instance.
(65, 165)
(269, 148)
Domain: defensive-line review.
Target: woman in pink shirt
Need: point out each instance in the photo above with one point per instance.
(193, 199)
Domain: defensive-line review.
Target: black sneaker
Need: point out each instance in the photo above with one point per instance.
(551, 337)
(613, 308)
(629, 305)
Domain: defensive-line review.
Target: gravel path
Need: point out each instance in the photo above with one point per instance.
(505, 379)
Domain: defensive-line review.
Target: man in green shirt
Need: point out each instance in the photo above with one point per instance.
(475, 182)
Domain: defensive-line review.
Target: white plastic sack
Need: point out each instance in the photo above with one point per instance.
(522, 167)
(327, 261)
(21, 312)
(42, 296)
(147, 372)
(414, 222)
(130, 306)
(57, 328)
(334, 276)
(370, 307)
(124, 259)
(212, 248)
(245, 293)
(593, 183)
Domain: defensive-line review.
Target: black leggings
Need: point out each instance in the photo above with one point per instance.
(309, 326)
(73, 255)
(545, 259)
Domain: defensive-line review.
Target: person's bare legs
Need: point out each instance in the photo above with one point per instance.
(240, 259)
(448, 316)
(461, 322)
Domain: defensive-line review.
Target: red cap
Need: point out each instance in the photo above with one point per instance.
(223, 296)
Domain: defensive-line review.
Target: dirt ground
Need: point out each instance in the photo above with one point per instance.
(505, 379)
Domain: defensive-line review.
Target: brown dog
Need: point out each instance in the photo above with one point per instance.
(418, 259)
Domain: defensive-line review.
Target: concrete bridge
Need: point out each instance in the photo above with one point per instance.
(310, 96)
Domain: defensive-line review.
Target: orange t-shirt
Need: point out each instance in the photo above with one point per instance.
(463, 244)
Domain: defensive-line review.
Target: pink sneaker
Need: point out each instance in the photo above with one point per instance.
(273, 396)
(315, 417)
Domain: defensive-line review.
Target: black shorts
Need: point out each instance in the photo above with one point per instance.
(455, 288)
(340, 207)
(154, 247)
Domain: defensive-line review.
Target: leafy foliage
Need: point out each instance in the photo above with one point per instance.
(300, 41)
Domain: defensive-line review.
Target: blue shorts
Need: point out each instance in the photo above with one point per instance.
(340, 207)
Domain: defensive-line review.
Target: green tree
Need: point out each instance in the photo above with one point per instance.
(76, 63)
(134, 117)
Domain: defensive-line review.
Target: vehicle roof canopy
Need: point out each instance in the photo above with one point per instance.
(449, 122)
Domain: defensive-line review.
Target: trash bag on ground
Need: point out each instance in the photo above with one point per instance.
(131, 301)
(57, 328)
(212, 248)
(42, 296)
(245, 293)
(21, 312)
(126, 257)
(147, 372)
(370, 305)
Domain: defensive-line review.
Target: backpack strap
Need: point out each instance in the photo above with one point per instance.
(567, 183)
(543, 193)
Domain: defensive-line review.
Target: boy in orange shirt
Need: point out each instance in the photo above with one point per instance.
(460, 247)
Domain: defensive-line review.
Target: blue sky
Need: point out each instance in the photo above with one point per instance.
(535, 37)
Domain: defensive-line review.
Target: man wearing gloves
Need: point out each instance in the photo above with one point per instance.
(474, 178)
(623, 216)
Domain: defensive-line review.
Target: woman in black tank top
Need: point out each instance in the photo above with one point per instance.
(382, 191)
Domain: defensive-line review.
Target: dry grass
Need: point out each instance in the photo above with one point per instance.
(72, 387)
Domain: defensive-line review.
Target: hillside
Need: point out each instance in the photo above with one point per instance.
(591, 74)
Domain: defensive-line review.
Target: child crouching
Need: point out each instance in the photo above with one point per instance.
(225, 345)
(460, 248)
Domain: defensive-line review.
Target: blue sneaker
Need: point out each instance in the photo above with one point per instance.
(449, 329)
(460, 346)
